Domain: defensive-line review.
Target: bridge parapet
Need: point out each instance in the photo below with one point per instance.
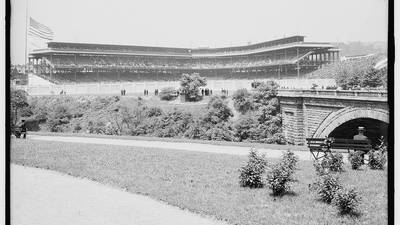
(378, 95)
(306, 112)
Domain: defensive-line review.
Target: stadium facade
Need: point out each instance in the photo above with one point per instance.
(289, 57)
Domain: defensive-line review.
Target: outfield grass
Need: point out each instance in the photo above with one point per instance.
(204, 183)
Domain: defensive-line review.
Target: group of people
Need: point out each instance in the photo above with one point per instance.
(224, 91)
(123, 92)
(206, 92)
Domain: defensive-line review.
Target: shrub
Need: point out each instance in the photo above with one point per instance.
(217, 111)
(334, 162)
(77, 128)
(290, 159)
(347, 200)
(277, 138)
(18, 101)
(244, 127)
(153, 111)
(193, 130)
(168, 94)
(219, 132)
(96, 127)
(326, 187)
(377, 159)
(356, 159)
(172, 124)
(242, 101)
(319, 169)
(279, 178)
(251, 173)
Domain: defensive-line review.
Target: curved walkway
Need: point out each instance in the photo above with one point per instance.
(42, 197)
(209, 148)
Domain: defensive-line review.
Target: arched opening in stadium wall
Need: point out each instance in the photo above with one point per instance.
(374, 129)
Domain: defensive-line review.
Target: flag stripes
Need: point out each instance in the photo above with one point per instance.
(37, 29)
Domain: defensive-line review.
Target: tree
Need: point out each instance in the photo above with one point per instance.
(19, 101)
(358, 73)
(264, 93)
(168, 93)
(242, 101)
(217, 111)
(262, 122)
(190, 84)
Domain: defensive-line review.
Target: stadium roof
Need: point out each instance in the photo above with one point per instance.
(89, 48)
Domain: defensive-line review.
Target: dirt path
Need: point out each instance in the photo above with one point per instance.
(233, 150)
(42, 197)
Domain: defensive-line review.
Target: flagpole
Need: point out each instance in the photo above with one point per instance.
(26, 37)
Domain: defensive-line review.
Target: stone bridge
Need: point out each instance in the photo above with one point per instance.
(322, 113)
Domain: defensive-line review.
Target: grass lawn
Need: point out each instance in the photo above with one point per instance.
(186, 140)
(204, 183)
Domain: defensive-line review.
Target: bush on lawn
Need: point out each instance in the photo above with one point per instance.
(279, 178)
(334, 162)
(377, 159)
(168, 94)
(290, 159)
(356, 159)
(319, 169)
(251, 174)
(326, 187)
(347, 201)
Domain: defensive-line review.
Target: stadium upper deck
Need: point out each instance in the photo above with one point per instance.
(284, 57)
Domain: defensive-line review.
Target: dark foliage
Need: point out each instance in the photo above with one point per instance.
(347, 201)
(251, 175)
(326, 187)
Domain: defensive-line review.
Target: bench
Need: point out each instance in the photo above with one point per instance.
(321, 147)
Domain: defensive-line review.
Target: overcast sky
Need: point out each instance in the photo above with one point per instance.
(200, 23)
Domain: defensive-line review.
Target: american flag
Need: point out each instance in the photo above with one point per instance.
(39, 30)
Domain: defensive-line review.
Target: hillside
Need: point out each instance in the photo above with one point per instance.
(361, 48)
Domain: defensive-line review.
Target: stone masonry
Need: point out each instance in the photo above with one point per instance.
(305, 111)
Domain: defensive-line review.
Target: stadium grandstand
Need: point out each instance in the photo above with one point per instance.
(291, 57)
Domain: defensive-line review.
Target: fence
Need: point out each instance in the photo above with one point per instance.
(139, 87)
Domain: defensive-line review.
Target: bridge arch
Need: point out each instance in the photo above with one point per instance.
(347, 114)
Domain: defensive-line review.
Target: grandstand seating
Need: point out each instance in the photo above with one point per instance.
(75, 62)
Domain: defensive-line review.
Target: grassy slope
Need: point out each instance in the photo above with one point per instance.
(203, 183)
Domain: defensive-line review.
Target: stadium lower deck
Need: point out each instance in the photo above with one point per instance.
(66, 63)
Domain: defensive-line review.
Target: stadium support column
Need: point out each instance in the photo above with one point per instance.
(298, 64)
(51, 69)
(119, 79)
(76, 81)
(279, 72)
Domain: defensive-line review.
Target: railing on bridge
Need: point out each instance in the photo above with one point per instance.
(332, 93)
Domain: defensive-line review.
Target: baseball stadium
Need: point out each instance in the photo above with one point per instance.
(292, 57)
